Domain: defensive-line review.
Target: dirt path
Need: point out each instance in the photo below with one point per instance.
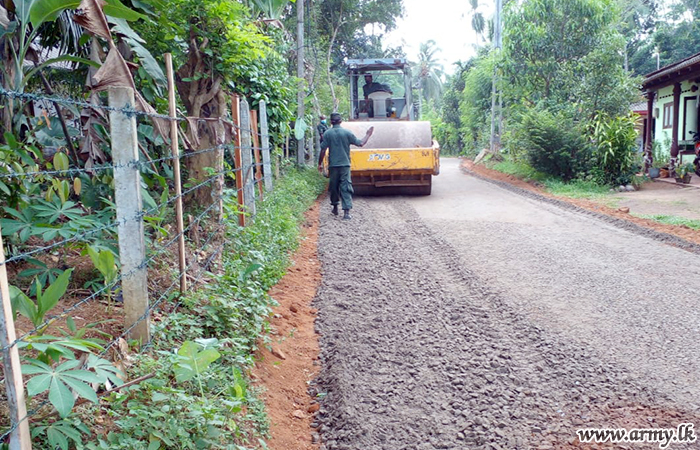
(288, 363)
(662, 199)
(477, 318)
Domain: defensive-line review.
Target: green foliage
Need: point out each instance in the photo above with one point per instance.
(672, 32)
(199, 397)
(661, 153)
(266, 79)
(42, 271)
(59, 381)
(64, 384)
(62, 433)
(446, 130)
(576, 188)
(349, 21)
(105, 262)
(568, 54)
(45, 301)
(475, 105)
(429, 72)
(555, 144)
(615, 140)
(233, 41)
(17, 158)
(193, 358)
(684, 169)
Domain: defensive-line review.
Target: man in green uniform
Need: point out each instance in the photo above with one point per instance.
(338, 140)
(322, 127)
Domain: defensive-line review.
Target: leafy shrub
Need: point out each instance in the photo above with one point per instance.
(615, 141)
(555, 143)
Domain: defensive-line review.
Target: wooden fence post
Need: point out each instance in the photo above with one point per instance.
(247, 159)
(236, 118)
(175, 149)
(256, 150)
(264, 135)
(127, 195)
(20, 439)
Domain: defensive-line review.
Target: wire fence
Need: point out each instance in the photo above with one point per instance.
(243, 160)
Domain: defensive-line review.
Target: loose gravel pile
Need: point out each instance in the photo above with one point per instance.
(421, 352)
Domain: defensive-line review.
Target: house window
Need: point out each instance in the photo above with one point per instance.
(668, 115)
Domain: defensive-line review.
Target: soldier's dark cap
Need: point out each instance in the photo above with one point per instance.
(336, 116)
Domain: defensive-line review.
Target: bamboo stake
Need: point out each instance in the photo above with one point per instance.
(174, 148)
(20, 438)
(256, 150)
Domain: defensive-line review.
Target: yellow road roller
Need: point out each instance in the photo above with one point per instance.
(401, 157)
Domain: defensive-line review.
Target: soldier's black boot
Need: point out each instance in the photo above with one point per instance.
(335, 210)
(346, 215)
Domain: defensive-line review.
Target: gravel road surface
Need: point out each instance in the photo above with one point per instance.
(478, 318)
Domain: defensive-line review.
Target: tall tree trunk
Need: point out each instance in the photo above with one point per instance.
(328, 58)
(205, 102)
(7, 82)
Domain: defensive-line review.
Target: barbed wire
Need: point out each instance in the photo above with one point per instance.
(141, 266)
(154, 306)
(164, 247)
(128, 111)
(151, 309)
(99, 292)
(116, 223)
(29, 414)
(134, 163)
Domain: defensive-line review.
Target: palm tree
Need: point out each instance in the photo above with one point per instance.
(429, 72)
(478, 21)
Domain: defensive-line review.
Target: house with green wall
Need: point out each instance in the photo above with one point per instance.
(673, 101)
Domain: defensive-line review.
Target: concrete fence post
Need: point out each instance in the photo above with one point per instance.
(267, 167)
(247, 159)
(130, 229)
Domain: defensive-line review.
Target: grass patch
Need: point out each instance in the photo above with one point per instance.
(577, 189)
(520, 170)
(571, 189)
(671, 220)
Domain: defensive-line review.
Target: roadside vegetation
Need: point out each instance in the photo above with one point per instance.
(200, 395)
(567, 75)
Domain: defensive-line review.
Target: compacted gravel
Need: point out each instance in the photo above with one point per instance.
(477, 318)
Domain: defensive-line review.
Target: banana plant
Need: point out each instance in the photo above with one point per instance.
(270, 9)
(29, 16)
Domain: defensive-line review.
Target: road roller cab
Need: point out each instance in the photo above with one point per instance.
(401, 157)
